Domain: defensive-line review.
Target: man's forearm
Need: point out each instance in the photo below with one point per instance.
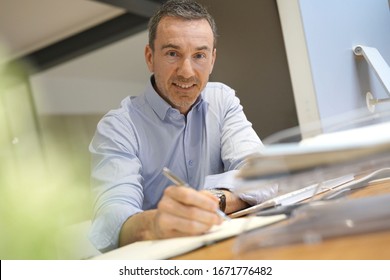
(138, 227)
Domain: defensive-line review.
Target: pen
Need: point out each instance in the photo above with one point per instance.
(179, 182)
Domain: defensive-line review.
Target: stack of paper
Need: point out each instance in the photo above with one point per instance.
(322, 150)
(292, 166)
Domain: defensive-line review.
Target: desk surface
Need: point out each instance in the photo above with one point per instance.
(363, 246)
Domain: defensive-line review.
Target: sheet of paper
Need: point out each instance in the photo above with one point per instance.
(168, 248)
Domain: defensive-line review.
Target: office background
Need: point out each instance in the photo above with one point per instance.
(251, 59)
(63, 64)
(66, 63)
(66, 93)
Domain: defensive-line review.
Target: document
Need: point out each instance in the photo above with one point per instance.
(168, 248)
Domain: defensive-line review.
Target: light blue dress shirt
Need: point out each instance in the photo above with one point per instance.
(132, 144)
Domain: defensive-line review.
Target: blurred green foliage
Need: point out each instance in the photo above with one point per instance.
(38, 196)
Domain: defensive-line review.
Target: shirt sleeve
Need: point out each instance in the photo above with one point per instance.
(116, 182)
(238, 138)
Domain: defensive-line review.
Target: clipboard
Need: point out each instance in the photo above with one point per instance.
(295, 196)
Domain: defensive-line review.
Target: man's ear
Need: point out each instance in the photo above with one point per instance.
(149, 58)
(214, 57)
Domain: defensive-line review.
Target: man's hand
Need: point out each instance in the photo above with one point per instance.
(185, 211)
(180, 212)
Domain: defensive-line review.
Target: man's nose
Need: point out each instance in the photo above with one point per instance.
(185, 68)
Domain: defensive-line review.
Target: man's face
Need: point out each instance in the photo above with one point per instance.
(182, 60)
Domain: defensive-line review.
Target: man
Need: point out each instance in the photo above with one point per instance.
(181, 121)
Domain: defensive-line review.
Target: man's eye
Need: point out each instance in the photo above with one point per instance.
(200, 55)
(173, 54)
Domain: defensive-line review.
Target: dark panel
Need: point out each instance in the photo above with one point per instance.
(134, 21)
(86, 41)
(144, 8)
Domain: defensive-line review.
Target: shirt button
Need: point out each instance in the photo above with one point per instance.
(190, 162)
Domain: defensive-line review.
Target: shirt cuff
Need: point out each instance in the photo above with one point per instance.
(228, 180)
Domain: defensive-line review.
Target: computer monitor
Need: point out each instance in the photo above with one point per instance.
(328, 78)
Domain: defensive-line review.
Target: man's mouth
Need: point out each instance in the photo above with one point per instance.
(184, 86)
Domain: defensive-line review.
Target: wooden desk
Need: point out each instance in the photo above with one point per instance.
(364, 246)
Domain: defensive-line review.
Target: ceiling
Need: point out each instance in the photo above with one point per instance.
(48, 32)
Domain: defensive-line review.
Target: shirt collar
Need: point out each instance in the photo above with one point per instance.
(159, 105)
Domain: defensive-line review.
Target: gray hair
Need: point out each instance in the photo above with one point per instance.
(185, 9)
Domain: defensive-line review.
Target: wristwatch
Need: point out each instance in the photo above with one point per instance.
(222, 198)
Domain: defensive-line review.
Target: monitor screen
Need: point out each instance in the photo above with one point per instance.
(328, 78)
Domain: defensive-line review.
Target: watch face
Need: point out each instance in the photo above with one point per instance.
(222, 198)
